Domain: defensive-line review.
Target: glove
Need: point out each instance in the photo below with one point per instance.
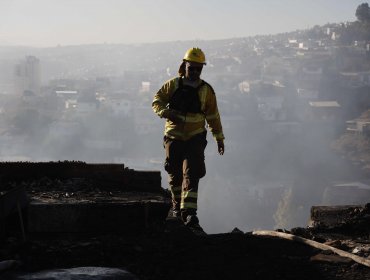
(220, 147)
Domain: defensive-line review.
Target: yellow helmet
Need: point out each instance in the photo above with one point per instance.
(195, 55)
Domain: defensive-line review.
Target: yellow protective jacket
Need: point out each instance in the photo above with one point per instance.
(192, 123)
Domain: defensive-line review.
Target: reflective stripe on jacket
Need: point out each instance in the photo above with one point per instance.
(191, 123)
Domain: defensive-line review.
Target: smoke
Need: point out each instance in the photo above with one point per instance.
(277, 162)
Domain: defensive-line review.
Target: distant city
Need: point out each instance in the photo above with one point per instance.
(283, 100)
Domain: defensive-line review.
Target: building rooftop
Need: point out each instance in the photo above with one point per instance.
(324, 104)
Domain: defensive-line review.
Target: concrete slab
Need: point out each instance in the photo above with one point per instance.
(76, 197)
(128, 214)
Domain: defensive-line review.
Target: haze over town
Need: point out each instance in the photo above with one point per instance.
(74, 86)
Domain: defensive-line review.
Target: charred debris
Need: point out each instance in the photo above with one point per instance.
(74, 214)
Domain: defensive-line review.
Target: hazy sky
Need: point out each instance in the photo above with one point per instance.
(71, 22)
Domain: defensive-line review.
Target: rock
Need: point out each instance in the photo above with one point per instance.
(237, 231)
(330, 258)
(9, 264)
(78, 273)
(356, 250)
(303, 232)
(282, 230)
(334, 243)
(318, 239)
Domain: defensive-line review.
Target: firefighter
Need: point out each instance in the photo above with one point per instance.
(187, 102)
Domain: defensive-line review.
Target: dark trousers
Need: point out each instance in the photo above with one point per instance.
(185, 166)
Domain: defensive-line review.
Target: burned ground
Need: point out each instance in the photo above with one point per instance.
(168, 250)
(173, 252)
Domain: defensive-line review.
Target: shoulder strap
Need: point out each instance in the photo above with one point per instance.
(201, 84)
(205, 83)
(178, 84)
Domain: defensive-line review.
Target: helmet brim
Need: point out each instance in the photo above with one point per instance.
(185, 60)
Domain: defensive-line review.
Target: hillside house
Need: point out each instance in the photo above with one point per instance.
(117, 106)
(270, 98)
(358, 126)
(323, 111)
(87, 107)
(307, 94)
(67, 94)
(355, 79)
(347, 194)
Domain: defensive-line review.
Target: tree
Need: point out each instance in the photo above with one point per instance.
(363, 12)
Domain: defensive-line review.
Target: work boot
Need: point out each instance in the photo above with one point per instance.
(174, 213)
(192, 222)
(174, 223)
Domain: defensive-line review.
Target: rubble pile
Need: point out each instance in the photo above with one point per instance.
(168, 250)
(75, 189)
(346, 228)
(352, 219)
(178, 254)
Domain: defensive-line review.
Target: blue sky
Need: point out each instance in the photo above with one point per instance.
(72, 22)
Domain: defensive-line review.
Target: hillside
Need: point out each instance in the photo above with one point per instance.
(356, 146)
